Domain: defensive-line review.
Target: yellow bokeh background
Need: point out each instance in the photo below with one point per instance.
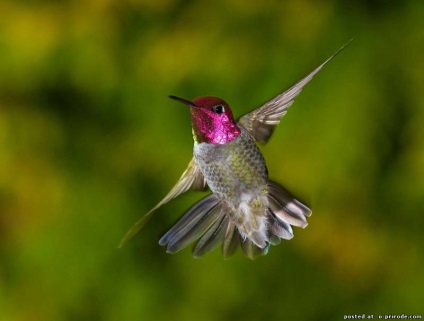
(89, 142)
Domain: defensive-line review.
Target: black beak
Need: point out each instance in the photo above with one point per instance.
(184, 101)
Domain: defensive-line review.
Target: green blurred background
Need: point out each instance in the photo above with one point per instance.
(89, 142)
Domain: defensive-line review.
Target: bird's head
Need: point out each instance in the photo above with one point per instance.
(211, 119)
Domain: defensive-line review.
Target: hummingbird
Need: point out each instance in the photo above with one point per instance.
(245, 208)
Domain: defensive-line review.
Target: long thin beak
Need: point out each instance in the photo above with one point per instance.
(184, 101)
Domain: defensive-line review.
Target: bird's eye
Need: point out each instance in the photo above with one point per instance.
(218, 109)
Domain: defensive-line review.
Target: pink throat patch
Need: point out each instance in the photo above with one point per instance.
(223, 131)
(213, 129)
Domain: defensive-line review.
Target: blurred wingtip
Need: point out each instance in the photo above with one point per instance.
(342, 47)
(135, 229)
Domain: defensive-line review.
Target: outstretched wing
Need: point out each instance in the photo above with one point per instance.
(261, 122)
(191, 178)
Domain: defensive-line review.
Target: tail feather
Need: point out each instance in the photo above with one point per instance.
(191, 217)
(212, 237)
(251, 250)
(274, 240)
(279, 228)
(212, 222)
(285, 207)
(193, 224)
(231, 241)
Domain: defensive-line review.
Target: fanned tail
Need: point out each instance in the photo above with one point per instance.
(210, 221)
(202, 220)
(285, 211)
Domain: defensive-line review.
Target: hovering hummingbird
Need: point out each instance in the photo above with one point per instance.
(245, 207)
